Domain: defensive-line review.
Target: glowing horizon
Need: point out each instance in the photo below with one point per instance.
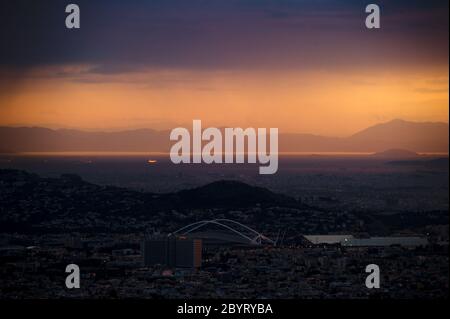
(316, 102)
(303, 67)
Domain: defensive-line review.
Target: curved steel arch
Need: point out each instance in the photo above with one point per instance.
(237, 223)
(256, 240)
(187, 226)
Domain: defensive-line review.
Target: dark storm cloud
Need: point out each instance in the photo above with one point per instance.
(121, 36)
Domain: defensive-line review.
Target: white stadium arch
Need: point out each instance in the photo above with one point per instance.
(252, 236)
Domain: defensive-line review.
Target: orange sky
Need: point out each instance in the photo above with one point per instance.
(334, 103)
(300, 66)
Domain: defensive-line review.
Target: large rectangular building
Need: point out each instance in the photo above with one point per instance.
(173, 252)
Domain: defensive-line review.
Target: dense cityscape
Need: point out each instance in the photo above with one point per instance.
(48, 223)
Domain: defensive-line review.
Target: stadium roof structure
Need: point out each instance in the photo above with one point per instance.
(231, 231)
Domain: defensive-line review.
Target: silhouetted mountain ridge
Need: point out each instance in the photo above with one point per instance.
(70, 195)
(228, 193)
(396, 134)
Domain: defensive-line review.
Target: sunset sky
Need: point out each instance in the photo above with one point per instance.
(301, 66)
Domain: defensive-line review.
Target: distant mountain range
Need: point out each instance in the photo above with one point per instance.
(396, 134)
